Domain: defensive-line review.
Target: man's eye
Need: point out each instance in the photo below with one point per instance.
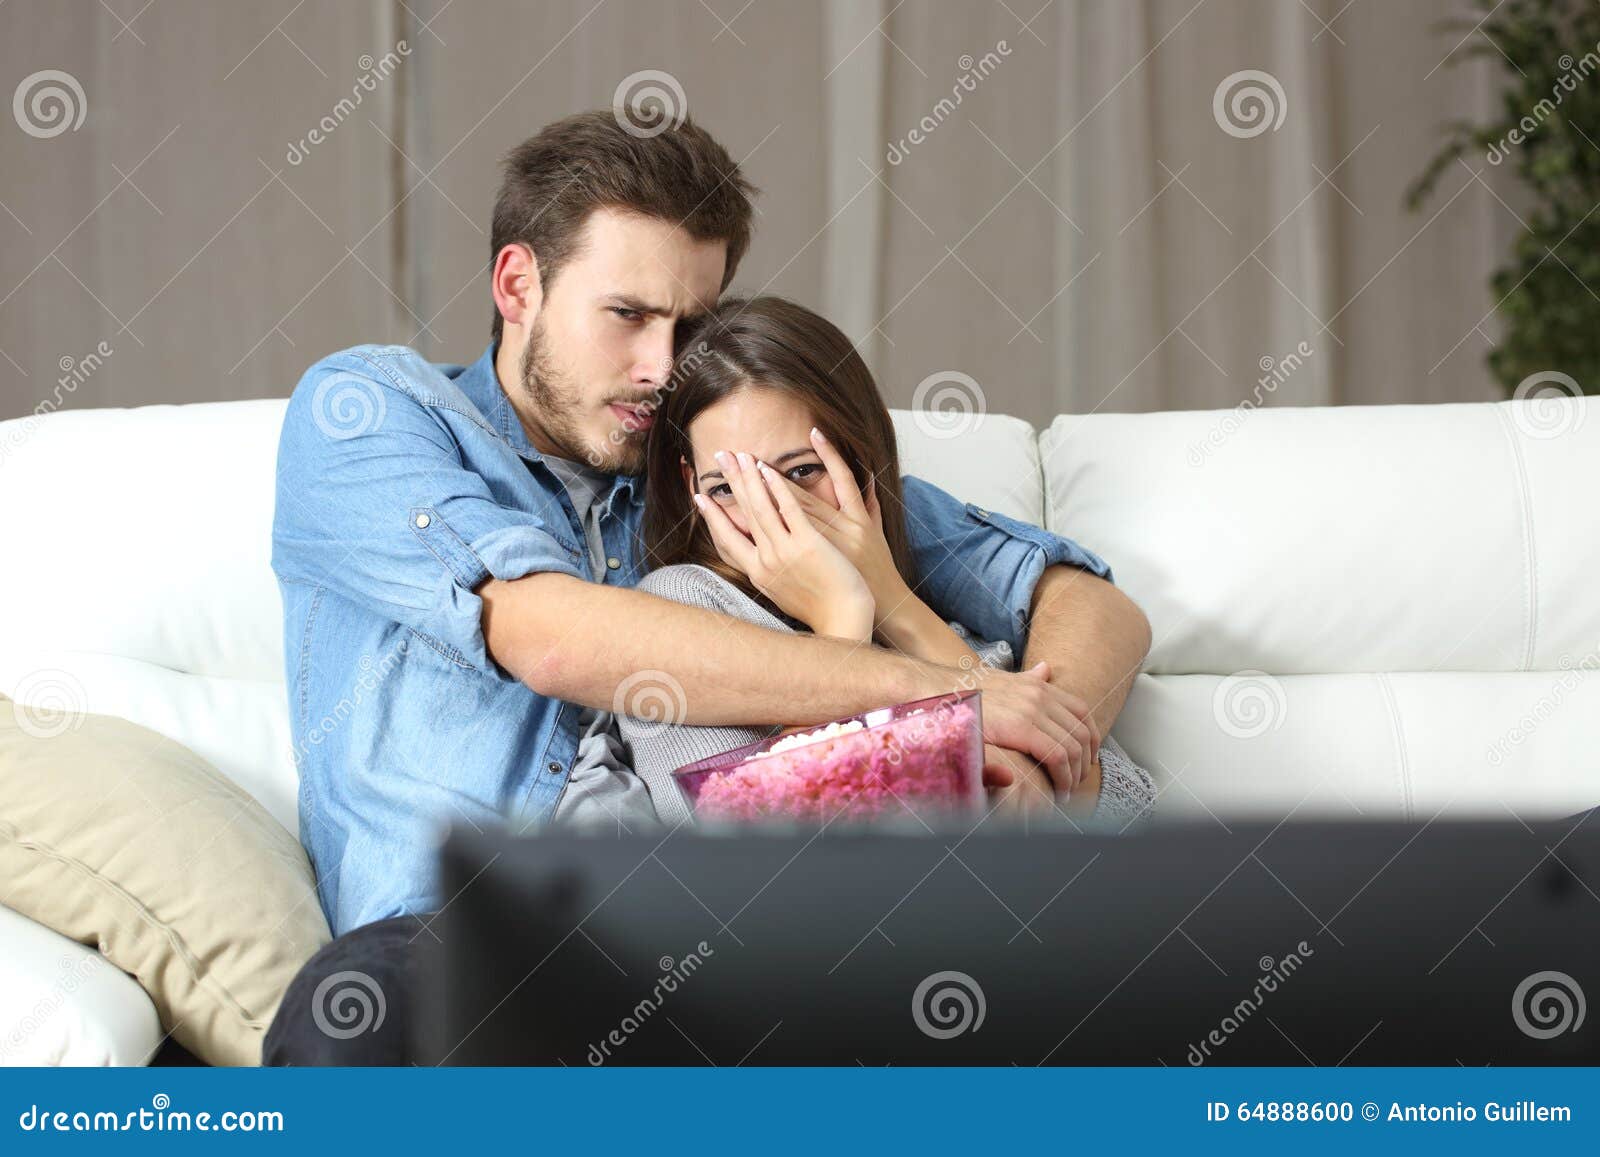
(627, 314)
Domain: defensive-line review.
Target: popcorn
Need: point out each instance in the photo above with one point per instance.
(927, 756)
(800, 738)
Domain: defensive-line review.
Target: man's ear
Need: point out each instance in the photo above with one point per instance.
(515, 284)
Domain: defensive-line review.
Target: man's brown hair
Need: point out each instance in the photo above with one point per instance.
(554, 180)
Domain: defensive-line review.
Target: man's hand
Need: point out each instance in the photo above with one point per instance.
(1027, 714)
(1093, 637)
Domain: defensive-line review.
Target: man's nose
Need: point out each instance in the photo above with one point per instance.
(654, 366)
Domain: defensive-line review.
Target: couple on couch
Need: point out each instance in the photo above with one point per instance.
(644, 527)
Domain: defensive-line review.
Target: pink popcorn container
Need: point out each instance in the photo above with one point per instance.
(922, 759)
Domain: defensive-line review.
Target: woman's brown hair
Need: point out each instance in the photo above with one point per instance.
(772, 344)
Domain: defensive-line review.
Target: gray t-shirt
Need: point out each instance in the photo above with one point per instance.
(602, 792)
(585, 486)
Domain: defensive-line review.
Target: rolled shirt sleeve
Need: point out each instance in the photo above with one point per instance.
(981, 567)
(374, 503)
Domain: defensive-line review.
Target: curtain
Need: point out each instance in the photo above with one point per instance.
(1037, 202)
(1082, 226)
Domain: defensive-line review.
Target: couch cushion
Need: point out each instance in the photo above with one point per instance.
(1361, 538)
(1367, 746)
(64, 1004)
(239, 726)
(120, 838)
(1417, 580)
(147, 535)
(988, 459)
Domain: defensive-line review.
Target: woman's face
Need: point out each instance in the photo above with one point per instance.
(772, 425)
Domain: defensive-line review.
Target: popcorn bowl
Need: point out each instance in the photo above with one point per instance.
(923, 757)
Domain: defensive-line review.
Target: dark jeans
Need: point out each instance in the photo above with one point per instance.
(350, 1004)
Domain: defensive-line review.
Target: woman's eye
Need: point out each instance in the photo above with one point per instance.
(805, 472)
(626, 314)
(719, 492)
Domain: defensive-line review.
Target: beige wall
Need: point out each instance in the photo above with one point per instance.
(173, 227)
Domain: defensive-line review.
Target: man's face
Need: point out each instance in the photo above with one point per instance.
(600, 350)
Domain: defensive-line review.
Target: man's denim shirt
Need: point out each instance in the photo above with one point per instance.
(403, 486)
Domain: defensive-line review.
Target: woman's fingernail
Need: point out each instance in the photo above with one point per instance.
(700, 501)
(818, 434)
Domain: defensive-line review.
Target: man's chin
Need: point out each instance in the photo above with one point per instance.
(620, 456)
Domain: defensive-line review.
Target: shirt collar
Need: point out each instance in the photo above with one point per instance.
(480, 382)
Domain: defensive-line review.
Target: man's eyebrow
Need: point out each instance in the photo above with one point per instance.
(640, 306)
(628, 301)
(778, 461)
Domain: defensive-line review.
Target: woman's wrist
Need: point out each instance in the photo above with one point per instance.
(915, 629)
(892, 606)
(850, 621)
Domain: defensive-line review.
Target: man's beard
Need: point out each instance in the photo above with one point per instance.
(558, 405)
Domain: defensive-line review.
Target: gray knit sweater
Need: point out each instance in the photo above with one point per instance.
(1127, 792)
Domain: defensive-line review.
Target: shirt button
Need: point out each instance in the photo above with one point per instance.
(980, 512)
(422, 521)
(555, 769)
(613, 563)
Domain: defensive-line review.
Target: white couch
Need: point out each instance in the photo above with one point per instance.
(1366, 611)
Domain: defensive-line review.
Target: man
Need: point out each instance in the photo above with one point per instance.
(457, 628)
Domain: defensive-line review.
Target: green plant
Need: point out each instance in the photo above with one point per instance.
(1549, 130)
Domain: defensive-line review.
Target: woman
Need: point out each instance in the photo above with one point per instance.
(773, 495)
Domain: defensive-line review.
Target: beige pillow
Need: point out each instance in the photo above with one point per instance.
(127, 841)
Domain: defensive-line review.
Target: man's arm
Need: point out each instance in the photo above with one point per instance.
(1093, 636)
(580, 641)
